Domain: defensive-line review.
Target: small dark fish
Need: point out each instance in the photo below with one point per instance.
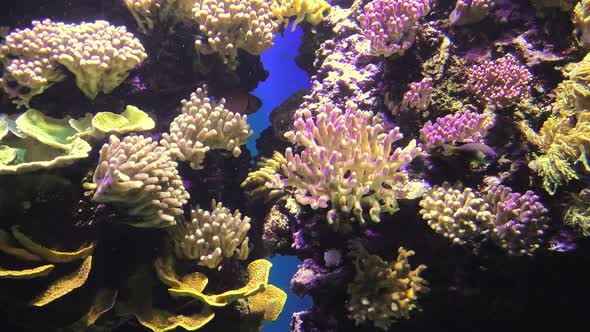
(468, 150)
(241, 102)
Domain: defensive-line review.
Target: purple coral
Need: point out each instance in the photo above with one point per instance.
(463, 127)
(521, 220)
(470, 11)
(499, 83)
(391, 25)
(418, 97)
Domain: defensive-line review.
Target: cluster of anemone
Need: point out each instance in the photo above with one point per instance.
(99, 55)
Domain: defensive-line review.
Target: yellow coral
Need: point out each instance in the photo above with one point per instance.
(40, 271)
(269, 303)
(310, 10)
(51, 255)
(65, 284)
(149, 12)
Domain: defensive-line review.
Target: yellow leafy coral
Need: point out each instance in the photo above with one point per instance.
(383, 292)
(310, 10)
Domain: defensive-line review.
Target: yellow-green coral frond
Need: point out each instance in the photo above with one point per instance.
(65, 284)
(50, 255)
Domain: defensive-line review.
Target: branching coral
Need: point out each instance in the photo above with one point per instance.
(383, 292)
(348, 160)
(470, 11)
(391, 25)
(311, 11)
(140, 175)
(457, 213)
(205, 125)
(212, 236)
(499, 83)
(229, 25)
(462, 127)
(98, 54)
(149, 12)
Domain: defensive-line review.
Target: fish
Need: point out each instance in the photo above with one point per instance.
(241, 102)
(473, 150)
(477, 155)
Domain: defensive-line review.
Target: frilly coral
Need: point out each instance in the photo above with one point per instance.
(499, 83)
(457, 213)
(141, 175)
(577, 212)
(391, 25)
(310, 10)
(383, 292)
(348, 160)
(581, 17)
(229, 25)
(563, 141)
(212, 236)
(205, 125)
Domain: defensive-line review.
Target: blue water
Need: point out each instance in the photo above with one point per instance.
(285, 78)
